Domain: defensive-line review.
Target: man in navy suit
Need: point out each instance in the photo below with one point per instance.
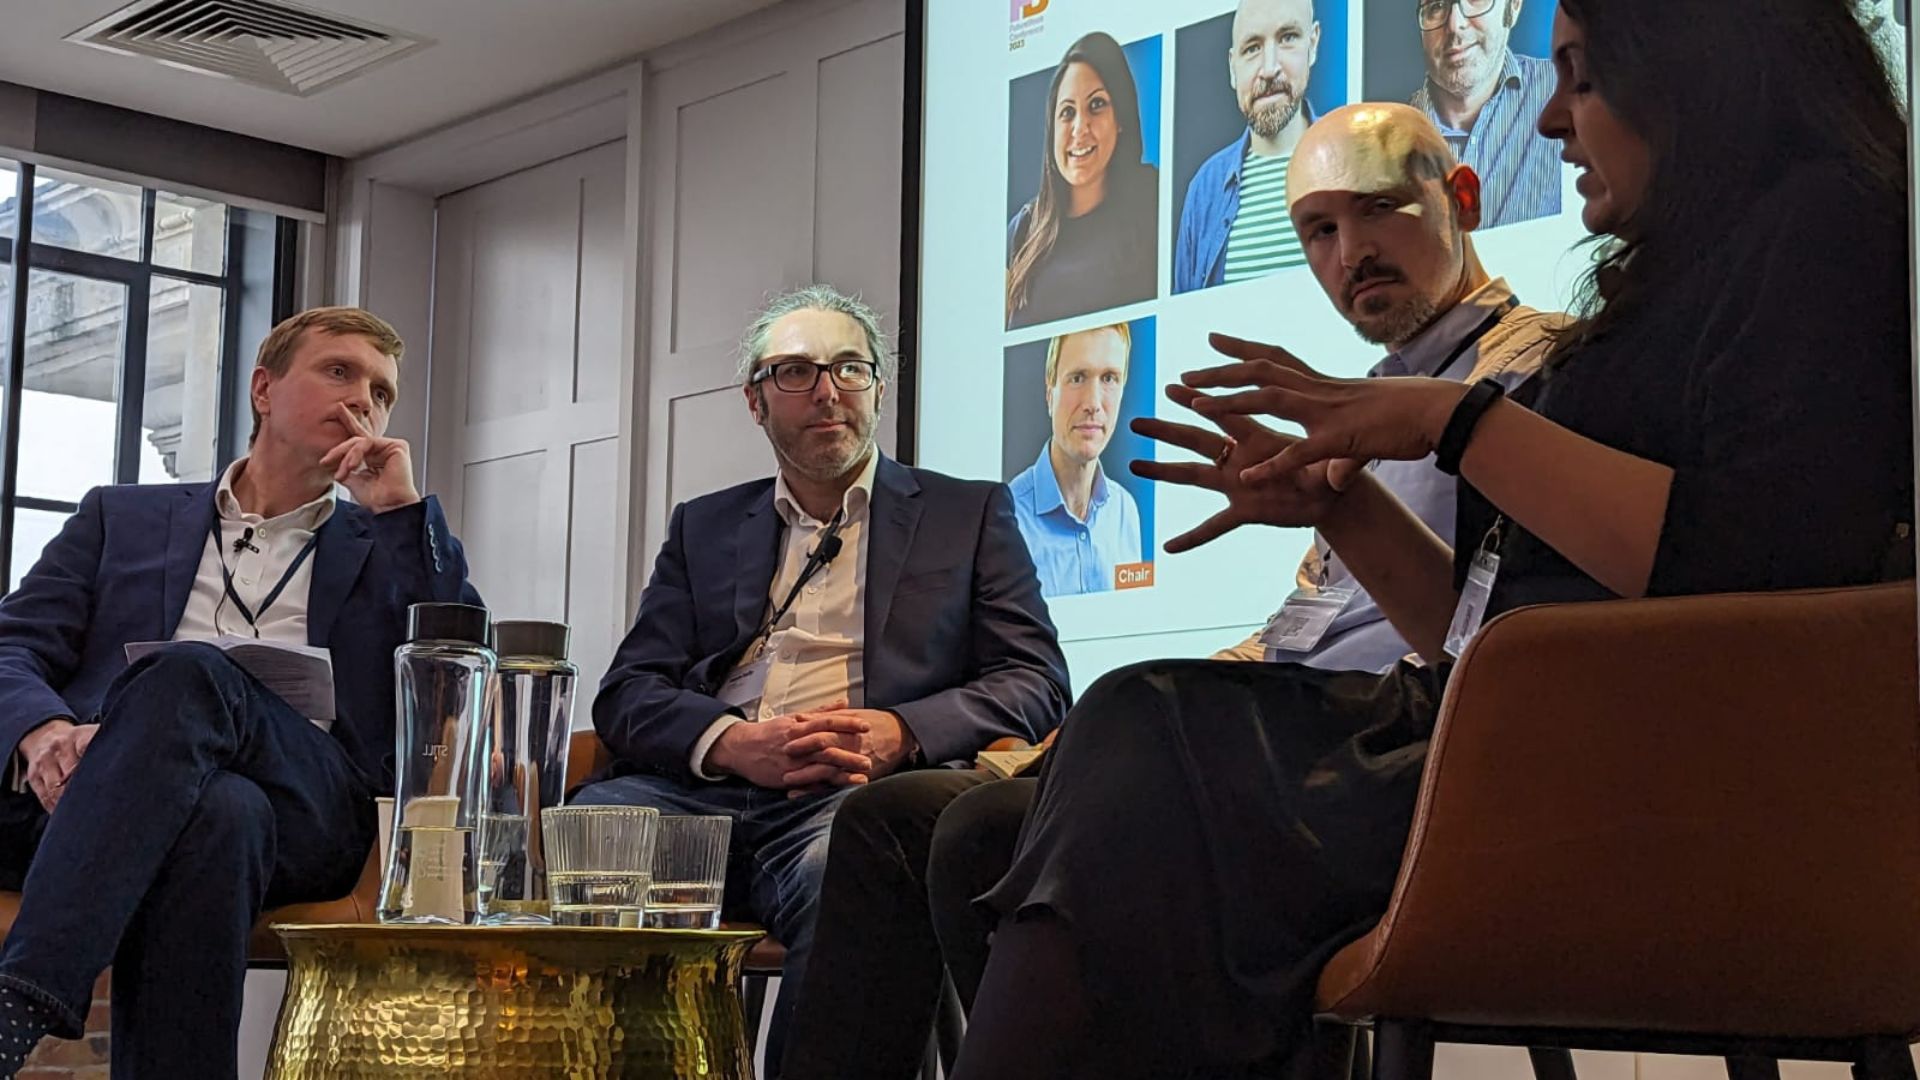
(156, 809)
(841, 621)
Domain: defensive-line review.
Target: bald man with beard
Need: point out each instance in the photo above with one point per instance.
(1233, 226)
(1386, 217)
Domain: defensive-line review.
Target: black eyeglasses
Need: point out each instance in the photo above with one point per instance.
(801, 376)
(1433, 13)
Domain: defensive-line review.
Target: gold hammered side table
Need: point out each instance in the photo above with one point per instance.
(367, 1001)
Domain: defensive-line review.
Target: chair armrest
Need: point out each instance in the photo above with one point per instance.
(1680, 814)
(586, 755)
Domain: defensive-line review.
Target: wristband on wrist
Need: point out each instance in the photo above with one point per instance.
(1459, 430)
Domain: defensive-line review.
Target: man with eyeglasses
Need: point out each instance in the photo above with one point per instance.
(1078, 523)
(1485, 99)
(803, 634)
(1234, 225)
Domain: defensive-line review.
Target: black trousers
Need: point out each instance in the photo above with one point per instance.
(202, 800)
(1206, 835)
(908, 856)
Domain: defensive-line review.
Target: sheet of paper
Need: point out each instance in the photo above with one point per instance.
(1004, 763)
(302, 675)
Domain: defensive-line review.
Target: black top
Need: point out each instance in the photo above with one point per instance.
(1775, 381)
(1104, 259)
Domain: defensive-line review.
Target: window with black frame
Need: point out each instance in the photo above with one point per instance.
(121, 309)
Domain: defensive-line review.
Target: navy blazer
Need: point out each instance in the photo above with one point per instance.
(957, 639)
(121, 570)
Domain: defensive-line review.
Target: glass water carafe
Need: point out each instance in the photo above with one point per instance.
(532, 720)
(442, 741)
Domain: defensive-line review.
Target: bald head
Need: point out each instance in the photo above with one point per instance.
(1362, 149)
(1383, 214)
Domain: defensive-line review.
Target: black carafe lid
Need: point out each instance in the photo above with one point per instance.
(530, 637)
(448, 622)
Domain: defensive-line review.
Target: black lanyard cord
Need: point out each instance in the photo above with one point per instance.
(817, 560)
(226, 575)
(1467, 343)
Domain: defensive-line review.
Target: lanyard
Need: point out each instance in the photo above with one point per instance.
(226, 575)
(1486, 327)
(823, 553)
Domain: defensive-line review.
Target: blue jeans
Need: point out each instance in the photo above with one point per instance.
(202, 800)
(775, 860)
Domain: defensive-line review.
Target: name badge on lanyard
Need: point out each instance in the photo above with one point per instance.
(1305, 618)
(1471, 611)
(747, 684)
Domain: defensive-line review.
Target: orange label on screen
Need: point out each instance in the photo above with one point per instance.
(1028, 11)
(1133, 575)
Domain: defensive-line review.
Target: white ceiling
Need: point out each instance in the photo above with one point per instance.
(487, 53)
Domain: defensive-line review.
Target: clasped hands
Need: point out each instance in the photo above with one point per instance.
(1272, 478)
(815, 750)
(50, 753)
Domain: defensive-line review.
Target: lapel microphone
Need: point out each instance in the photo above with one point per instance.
(245, 542)
(829, 545)
(817, 560)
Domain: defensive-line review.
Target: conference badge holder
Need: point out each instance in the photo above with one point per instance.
(1305, 618)
(748, 682)
(1472, 608)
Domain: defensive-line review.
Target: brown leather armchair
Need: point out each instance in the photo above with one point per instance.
(1678, 825)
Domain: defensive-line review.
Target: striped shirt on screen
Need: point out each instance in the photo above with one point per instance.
(1519, 169)
(1262, 239)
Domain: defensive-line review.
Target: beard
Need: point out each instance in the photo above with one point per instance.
(1394, 323)
(1463, 80)
(819, 458)
(1268, 121)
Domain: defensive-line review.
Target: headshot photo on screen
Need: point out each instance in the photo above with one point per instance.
(1083, 182)
(1480, 71)
(1065, 446)
(1247, 84)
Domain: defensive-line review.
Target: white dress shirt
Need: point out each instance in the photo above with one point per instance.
(814, 653)
(271, 545)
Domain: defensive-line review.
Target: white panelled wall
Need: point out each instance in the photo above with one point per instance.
(776, 165)
(572, 272)
(524, 424)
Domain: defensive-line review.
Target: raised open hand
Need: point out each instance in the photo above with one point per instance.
(1348, 422)
(1298, 498)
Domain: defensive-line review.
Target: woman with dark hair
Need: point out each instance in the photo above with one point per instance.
(1732, 413)
(1085, 241)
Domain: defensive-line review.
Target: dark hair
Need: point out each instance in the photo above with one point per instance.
(1726, 102)
(1103, 54)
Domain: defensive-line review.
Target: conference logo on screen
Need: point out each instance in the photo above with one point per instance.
(1028, 18)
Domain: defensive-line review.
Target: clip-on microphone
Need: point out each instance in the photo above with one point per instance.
(817, 560)
(245, 542)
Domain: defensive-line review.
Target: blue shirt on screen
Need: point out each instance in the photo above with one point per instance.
(1073, 556)
(1519, 168)
(1207, 217)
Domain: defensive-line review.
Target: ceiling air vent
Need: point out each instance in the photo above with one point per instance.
(280, 46)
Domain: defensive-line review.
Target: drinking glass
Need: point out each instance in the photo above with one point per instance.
(599, 862)
(689, 872)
